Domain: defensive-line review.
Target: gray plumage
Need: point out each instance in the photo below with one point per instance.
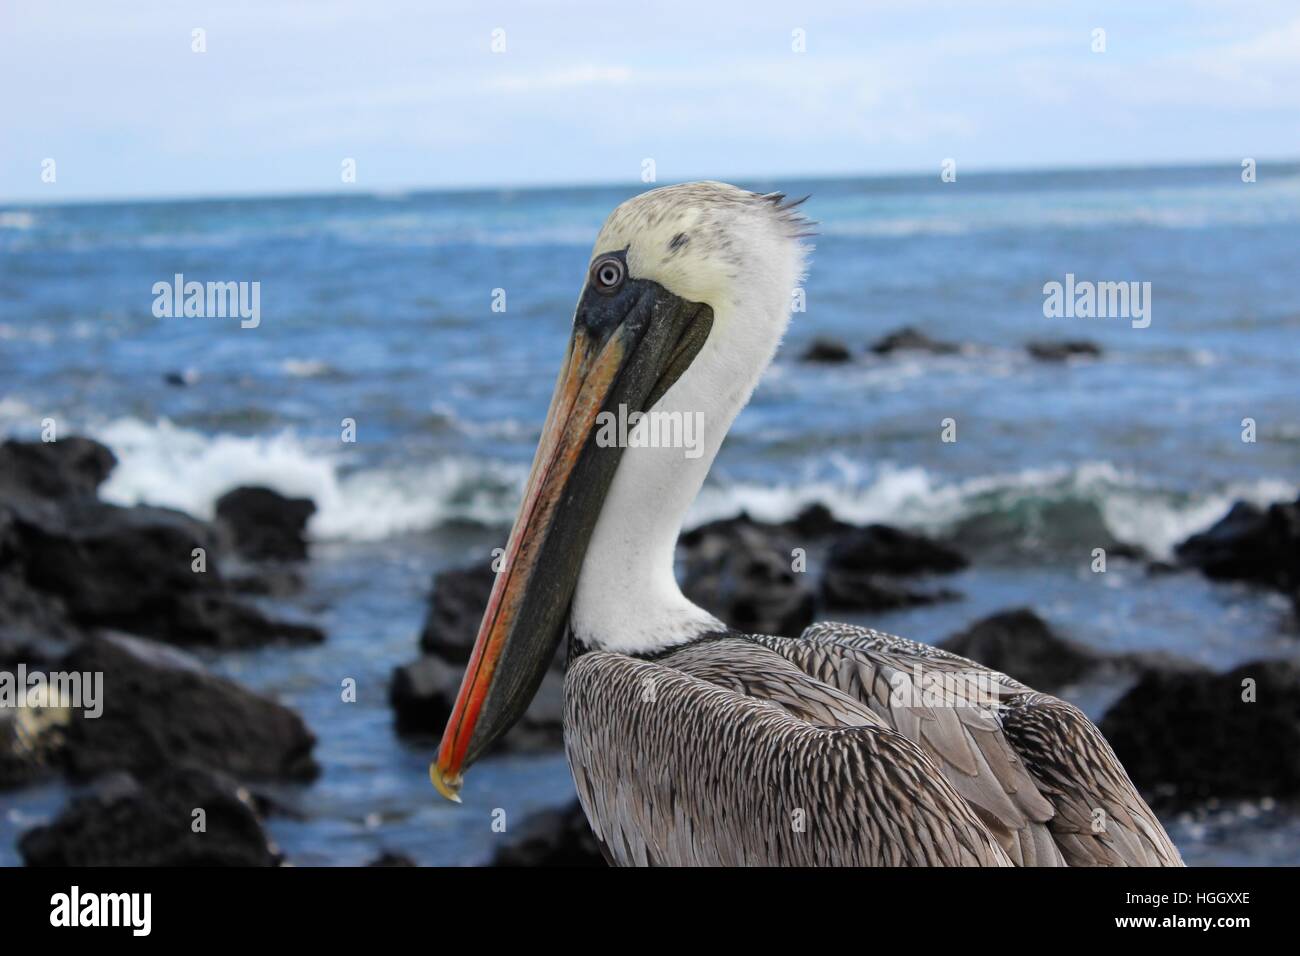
(823, 750)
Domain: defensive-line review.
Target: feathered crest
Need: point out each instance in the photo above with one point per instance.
(791, 214)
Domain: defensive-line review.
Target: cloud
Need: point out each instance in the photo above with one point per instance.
(586, 90)
(564, 78)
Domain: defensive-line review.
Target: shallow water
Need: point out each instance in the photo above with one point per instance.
(379, 309)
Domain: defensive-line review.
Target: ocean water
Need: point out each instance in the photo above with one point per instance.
(378, 308)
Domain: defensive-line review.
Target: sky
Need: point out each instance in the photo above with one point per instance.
(414, 93)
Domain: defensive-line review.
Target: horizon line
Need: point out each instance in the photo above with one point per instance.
(555, 186)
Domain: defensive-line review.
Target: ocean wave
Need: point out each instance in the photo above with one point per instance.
(17, 219)
(307, 368)
(1194, 209)
(396, 232)
(1041, 509)
(163, 464)
(1035, 510)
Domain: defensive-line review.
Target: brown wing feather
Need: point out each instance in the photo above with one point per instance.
(1096, 818)
(1101, 820)
(954, 721)
(672, 769)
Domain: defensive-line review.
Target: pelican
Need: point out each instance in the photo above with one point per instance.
(689, 743)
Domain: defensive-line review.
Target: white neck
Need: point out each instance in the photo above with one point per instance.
(627, 598)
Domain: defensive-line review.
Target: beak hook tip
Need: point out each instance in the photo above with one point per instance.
(449, 787)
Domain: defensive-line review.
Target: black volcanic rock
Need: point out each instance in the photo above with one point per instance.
(422, 694)
(73, 467)
(908, 339)
(266, 524)
(559, 837)
(858, 591)
(1261, 545)
(1189, 737)
(864, 567)
(827, 352)
(34, 625)
(123, 822)
(460, 596)
(1063, 350)
(882, 549)
(815, 521)
(161, 709)
(742, 571)
(1020, 644)
(133, 569)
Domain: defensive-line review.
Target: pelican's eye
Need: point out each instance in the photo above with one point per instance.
(607, 274)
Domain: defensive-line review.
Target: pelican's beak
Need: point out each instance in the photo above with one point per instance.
(628, 347)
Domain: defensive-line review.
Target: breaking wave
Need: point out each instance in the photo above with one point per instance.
(162, 464)
(1036, 509)
(1040, 509)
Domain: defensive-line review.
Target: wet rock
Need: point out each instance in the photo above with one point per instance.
(34, 625)
(560, 837)
(816, 521)
(856, 591)
(1190, 737)
(460, 596)
(265, 524)
(741, 570)
(882, 549)
(1064, 350)
(181, 379)
(125, 822)
(422, 694)
(1261, 545)
(133, 569)
(269, 580)
(826, 351)
(908, 339)
(863, 567)
(1021, 644)
(161, 708)
(70, 468)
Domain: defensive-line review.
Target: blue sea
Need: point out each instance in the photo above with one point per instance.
(378, 308)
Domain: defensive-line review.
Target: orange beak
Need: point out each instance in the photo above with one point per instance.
(586, 379)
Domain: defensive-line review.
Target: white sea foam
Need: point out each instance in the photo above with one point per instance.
(305, 368)
(16, 415)
(163, 464)
(19, 219)
(1131, 510)
(1182, 209)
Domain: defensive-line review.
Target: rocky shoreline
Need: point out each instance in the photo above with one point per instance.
(908, 340)
(89, 587)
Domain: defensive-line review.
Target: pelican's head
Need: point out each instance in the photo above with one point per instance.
(687, 295)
